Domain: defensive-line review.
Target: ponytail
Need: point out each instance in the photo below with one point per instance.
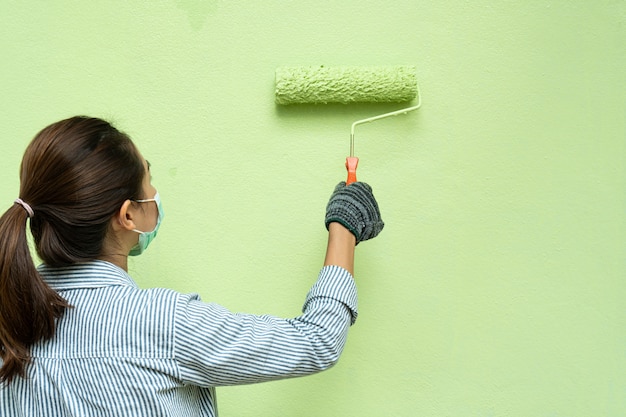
(74, 177)
(28, 306)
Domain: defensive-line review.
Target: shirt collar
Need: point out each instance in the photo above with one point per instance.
(94, 274)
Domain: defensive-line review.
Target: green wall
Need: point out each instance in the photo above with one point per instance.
(497, 287)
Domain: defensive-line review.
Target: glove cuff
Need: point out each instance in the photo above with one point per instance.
(344, 224)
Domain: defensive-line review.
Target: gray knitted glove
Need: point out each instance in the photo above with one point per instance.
(355, 207)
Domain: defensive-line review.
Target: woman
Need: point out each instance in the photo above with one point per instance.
(79, 338)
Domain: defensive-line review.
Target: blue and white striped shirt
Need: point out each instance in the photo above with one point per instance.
(124, 351)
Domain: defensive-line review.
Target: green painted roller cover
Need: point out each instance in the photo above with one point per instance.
(345, 84)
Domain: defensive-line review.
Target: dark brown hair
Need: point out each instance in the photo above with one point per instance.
(75, 175)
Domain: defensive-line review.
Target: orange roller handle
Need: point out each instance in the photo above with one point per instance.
(351, 164)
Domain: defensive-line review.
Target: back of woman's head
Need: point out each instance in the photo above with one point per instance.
(74, 177)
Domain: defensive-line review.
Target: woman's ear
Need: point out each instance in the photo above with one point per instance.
(123, 219)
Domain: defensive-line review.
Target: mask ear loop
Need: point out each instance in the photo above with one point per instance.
(157, 201)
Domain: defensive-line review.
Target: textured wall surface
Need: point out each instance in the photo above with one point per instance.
(498, 285)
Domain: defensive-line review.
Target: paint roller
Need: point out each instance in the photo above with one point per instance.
(322, 85)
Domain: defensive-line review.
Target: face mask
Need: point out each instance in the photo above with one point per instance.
(146, 237)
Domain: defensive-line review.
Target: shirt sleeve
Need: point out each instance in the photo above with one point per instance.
(215, 347)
